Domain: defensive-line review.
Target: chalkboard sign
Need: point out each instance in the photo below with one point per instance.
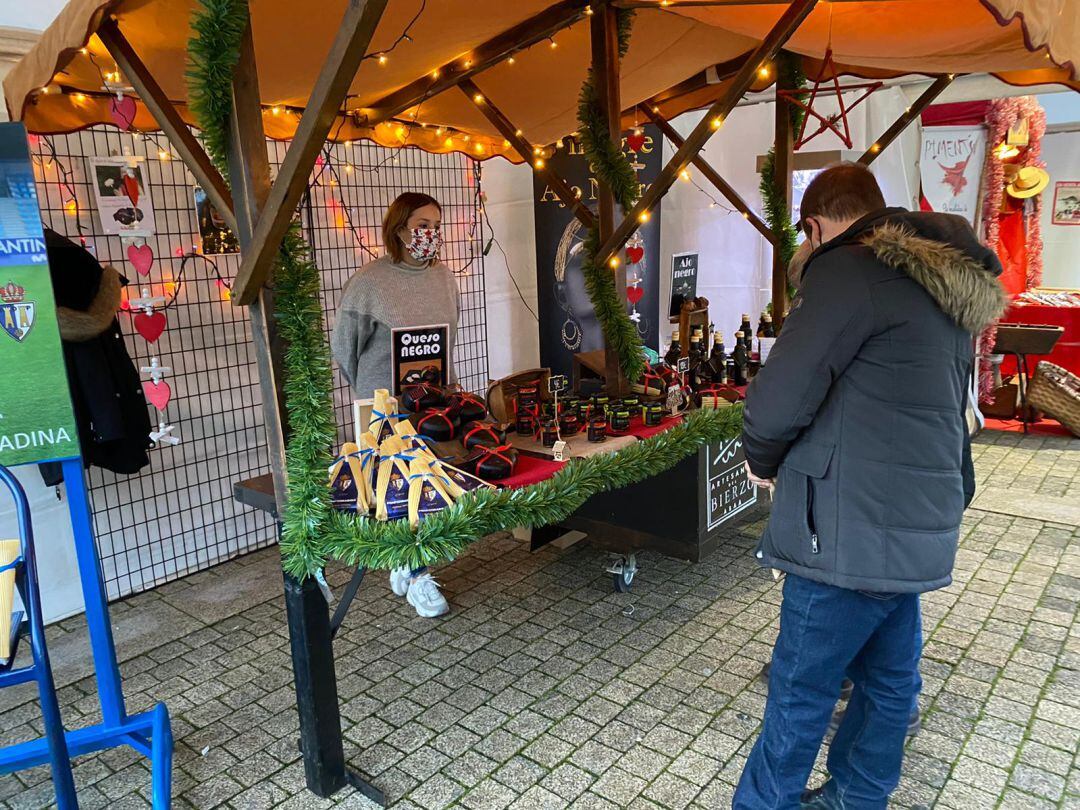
(683, 365)
(729, 490)
(684, 268)
(419, 354)
(557, 383)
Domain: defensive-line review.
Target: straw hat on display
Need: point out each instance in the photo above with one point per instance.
(1027, 182)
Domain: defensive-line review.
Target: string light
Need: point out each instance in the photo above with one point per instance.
(537, 150)
(588, 11)
(163, 155)
(348, 168)
(83, 51)
(511, 61)
(643, 217)
(468, 64)
(763, 72)
(435, 73)
(553, 44)
(613, 262)
(479, 148)
(448, 142)
(717, 122)
(383, 59)
(478, 98)
(685, 175)
(71, 207)
(517, 132)
(80, 97)
(539, 163)
(276, 110)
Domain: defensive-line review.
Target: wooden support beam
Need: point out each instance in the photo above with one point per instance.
(348, 49)
(783, 157)
(523, 35)
(525, 149)
(249, 172)
(910, 114)
(186, 145)
(789, 21)
(604, 34)
(710, 174)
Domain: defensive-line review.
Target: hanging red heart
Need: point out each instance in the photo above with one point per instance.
(635, 293)
(150, 326)
(122, 111)
(131, 188)
(157, 393)
(634, 254)
(635, 142)
(141, 257)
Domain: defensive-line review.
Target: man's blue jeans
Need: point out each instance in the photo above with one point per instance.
(826, 632)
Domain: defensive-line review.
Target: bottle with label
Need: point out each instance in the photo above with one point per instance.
(742, 360)
(674, 351)
(761, 324)
(767, 339)
(745, 327)
(718, 359)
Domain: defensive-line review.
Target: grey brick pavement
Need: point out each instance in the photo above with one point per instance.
(546, 689)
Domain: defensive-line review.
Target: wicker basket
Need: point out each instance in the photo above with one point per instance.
(1056, 392)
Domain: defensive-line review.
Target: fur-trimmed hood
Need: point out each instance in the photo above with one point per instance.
(78, 325)
(942, 254)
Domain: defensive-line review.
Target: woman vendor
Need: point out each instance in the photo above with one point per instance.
(407, 286)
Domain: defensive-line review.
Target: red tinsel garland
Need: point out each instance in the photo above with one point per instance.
(1002, 114)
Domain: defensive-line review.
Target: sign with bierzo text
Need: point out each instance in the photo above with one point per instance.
(729, 489)
(419, 354)
(36, 418)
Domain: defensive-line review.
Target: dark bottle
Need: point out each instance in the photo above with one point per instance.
(745, 327)
(766, 341)
(767, 330)
(718, 359)
(742, 360)
(674, 351)
(695, 353)
(761, 324)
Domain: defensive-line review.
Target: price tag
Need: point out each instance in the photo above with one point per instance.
(558, 450)
(683, 365)
(557, 383)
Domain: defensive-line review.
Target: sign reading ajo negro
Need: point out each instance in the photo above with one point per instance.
(729, 489)
(36, 419)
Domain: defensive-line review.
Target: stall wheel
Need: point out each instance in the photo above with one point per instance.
(623, 573)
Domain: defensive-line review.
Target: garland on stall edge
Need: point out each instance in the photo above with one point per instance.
(790, 73)
(312, 531)
(612, 168)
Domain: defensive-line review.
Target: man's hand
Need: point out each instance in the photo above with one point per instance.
(764, 483)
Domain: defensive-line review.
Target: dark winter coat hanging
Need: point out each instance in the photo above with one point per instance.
(110, 410)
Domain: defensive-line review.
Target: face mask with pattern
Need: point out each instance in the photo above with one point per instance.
(424, 244)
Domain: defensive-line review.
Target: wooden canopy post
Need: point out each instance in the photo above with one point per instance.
(925, 99)
(789, 21)
(783, 157)
(713, 176)
(307, 612)
(604, 33)
(525, 149)
(167, 117)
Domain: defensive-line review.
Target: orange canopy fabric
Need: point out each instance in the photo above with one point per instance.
(61, 84)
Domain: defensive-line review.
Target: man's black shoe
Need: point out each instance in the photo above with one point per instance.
(914, 722)
(816, 800)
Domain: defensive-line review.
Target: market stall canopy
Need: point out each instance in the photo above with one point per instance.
(679, 59)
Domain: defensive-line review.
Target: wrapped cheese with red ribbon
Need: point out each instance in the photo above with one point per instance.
(490, 434)
(439, 424)
(469, 406)
(490, 463)
(421, 396)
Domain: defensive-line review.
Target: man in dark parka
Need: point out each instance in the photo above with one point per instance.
(857, 424)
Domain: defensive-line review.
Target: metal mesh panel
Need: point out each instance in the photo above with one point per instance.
(178, 515)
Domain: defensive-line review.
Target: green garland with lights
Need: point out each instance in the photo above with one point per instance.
(312, 531)
(789, 69)
(612, 168)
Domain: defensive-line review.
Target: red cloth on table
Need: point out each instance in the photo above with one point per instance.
(1012, 250)
(1044, 427)
(530, 470)
(639, 430)
(1066, 352)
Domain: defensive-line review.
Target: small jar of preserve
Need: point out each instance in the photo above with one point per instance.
(549, 432)
(631, 403)
(597, 429)
(569, 424)
(600, 404)
(620, 420)
(525, 423)
(652, 414)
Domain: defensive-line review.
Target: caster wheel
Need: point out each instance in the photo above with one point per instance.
(623, 573)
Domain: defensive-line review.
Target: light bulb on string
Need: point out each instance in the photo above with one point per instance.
(383, 59)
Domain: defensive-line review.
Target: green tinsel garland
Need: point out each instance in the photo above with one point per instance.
(614, 170)
(312, 531)
(773, 203)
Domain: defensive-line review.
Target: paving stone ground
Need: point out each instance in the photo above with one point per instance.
(545, 689)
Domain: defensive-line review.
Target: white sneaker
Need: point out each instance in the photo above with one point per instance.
(425, 596)
(399, 581)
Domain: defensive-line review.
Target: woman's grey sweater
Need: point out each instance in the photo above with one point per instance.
(385, 295)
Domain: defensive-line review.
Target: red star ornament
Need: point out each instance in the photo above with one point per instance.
(828, 80)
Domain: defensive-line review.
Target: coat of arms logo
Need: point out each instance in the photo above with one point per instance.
(16, 313)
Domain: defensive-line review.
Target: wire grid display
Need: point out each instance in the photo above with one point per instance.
(177, 515)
